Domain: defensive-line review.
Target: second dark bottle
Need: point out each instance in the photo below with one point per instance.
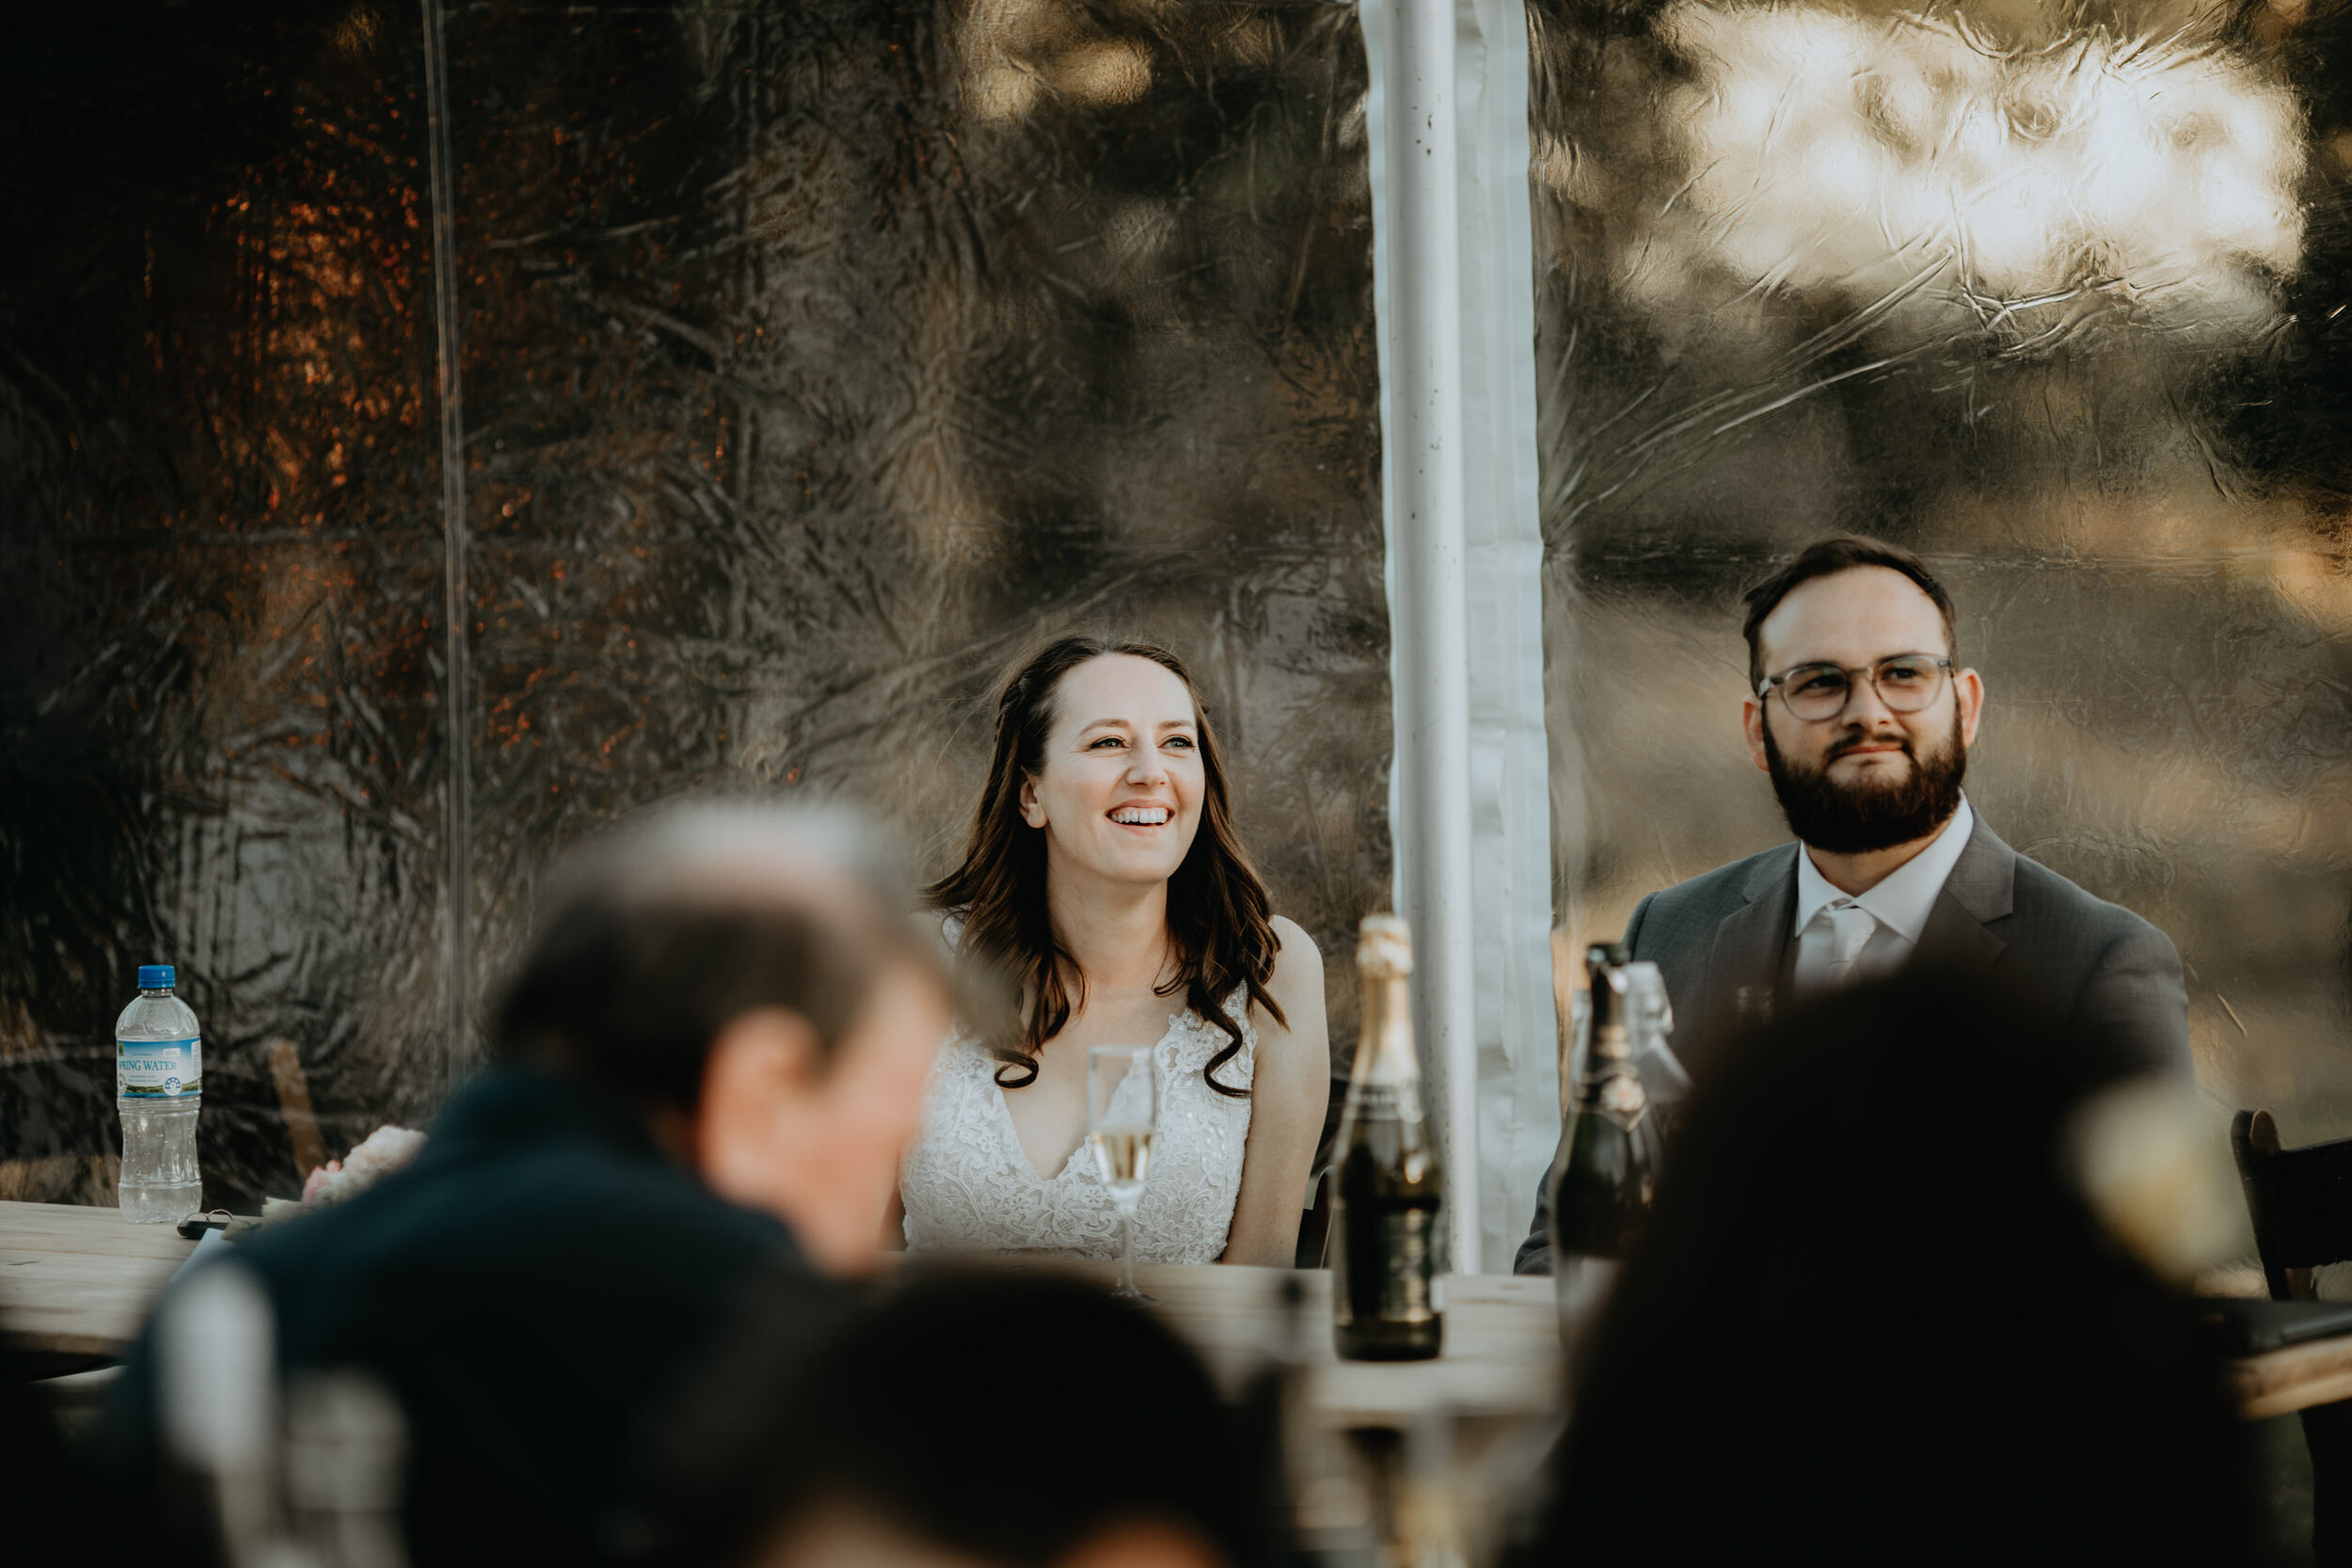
(1606, 1171)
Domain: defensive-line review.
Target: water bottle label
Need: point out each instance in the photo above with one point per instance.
(159, 1069)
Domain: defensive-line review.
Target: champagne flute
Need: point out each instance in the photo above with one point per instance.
(1122, 1109)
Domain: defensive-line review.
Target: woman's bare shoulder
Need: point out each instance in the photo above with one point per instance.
(1298, 977)
(1292, 945)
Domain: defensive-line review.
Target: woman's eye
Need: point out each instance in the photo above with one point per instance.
(1106, 741)
(1183, 741)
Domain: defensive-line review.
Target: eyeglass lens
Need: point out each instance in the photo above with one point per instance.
(1822, 690)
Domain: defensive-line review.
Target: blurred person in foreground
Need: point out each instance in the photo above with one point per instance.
(1875, 1315)
(1858, 709)
(51, 1513)
(967, 1420)
(710, 1061)
(1105, 882)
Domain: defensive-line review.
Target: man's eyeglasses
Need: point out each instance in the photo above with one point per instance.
(1905, 683)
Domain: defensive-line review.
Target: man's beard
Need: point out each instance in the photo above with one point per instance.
(1856, 819)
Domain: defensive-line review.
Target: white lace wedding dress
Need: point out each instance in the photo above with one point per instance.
(967, 1184)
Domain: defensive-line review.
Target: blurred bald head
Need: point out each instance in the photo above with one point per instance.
(653, 940)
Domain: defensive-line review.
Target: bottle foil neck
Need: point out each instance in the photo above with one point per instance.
(1384, 1048)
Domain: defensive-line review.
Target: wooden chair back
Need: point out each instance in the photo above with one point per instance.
(2299, 1199)
(303, 1138)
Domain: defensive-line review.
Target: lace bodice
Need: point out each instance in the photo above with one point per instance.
(967, 1184)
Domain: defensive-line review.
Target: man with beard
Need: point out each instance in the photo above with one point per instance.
(1859, 712)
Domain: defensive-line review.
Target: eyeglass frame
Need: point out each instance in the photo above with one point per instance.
(1944, 663)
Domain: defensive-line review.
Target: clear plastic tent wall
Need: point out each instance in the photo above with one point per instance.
(815, 358)
(2053, 295)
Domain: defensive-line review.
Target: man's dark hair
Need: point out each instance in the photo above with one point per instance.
(655, 940)
(1826, 557)
(947, 1410)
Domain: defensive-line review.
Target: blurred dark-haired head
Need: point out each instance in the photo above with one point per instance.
(747, 978)
(651, 940)
(1010, 1420)
(1874, 1315)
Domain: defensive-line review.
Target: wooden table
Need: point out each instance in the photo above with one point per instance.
(79, 1281)
(2278, 1382)
(1501, 1343)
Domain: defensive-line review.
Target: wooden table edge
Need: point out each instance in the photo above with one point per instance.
(107, 1347)
(2293, 1378)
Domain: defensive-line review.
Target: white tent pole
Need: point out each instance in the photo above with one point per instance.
(1429, 645)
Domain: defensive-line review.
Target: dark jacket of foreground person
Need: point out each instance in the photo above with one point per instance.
(47, 1512)
(1873, 1319)
(531, 1290)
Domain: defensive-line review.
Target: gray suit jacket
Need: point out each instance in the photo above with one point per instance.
(2101, 967)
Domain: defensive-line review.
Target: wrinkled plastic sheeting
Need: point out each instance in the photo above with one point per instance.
(2053, 294)
(816, 357)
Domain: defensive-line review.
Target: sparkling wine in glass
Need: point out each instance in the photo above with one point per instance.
(1122, 1111)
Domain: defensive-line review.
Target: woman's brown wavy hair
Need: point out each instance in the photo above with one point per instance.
(1217, 919)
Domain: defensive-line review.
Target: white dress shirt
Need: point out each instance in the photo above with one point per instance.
(1888, 920)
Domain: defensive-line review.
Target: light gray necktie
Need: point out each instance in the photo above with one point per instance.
(1850, 929)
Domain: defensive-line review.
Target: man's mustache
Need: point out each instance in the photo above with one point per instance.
(1855, 743)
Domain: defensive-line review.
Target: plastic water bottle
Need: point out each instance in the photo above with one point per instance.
(159, 1087)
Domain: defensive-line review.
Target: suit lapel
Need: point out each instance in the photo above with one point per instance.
(1981, 890)
(1752, 940)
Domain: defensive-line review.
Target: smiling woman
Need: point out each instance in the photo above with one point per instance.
(1103, 883)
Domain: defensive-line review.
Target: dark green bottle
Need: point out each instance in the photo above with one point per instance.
(1602, 1185)
(1386, 1196)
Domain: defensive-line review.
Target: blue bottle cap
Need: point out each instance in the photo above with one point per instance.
(156, 977)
